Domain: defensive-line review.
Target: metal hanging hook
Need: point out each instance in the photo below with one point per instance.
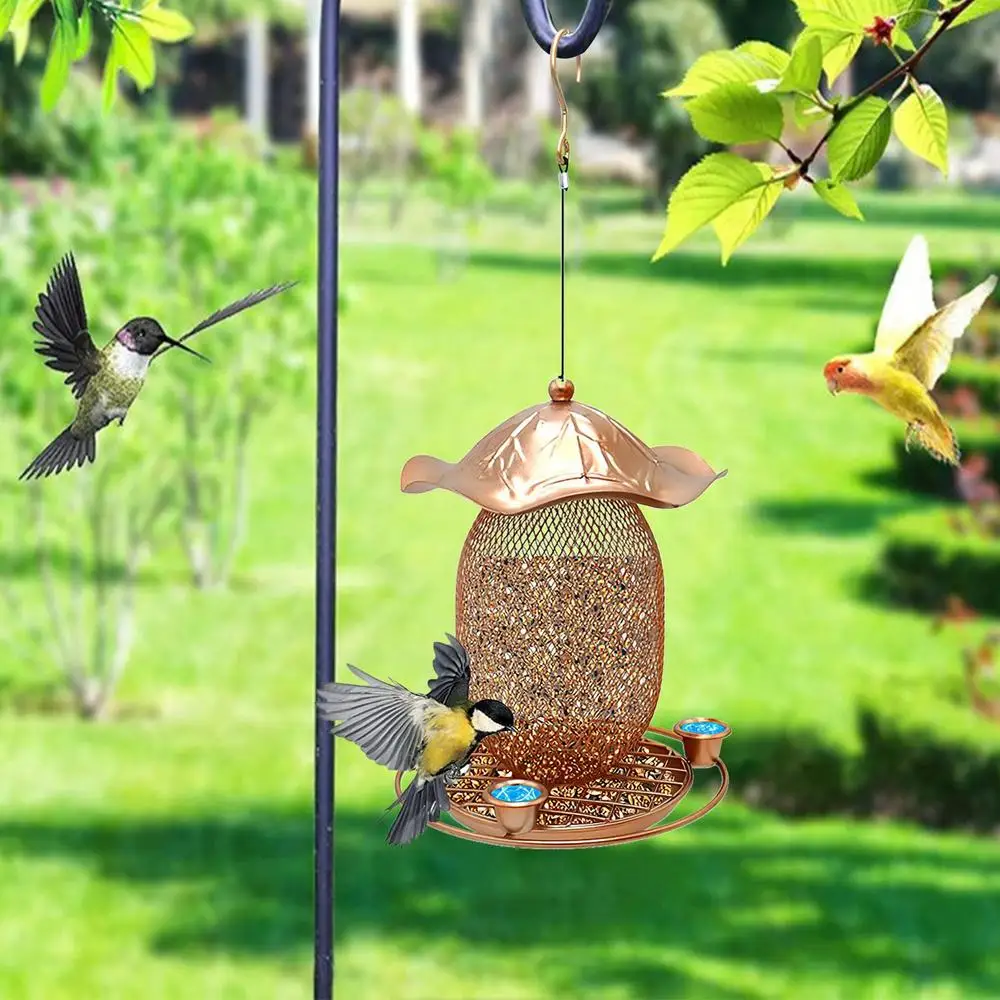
(562, 146)
(571, 43)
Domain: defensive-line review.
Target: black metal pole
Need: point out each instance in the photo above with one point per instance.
(539, 21)
(326, 488)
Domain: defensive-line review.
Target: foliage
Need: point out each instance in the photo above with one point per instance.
(460, 181)
(931, 555)
(981, 376)
(132, 31)
(746, 94)
(379, 141)
(655, 41)
(195, 227)
(913, 734)
(979, 439)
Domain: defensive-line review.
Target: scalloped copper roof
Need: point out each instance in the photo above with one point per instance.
(562, 449)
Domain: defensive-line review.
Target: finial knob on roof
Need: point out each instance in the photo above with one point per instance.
(561, 390)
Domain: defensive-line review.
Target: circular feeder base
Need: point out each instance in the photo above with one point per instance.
(628, 804)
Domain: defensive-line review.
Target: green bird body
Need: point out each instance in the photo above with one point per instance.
(105, 382)
(112, 389)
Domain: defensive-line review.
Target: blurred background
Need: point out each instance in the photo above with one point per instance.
(834, 599)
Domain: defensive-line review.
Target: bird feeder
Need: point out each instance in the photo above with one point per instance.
(560, 604)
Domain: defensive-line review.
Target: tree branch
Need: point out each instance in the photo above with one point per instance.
(905, 68)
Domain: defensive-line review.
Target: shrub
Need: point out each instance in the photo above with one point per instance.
(928, 758)
(921, 472)
(924, 757)
(930, 555)
(981, 375)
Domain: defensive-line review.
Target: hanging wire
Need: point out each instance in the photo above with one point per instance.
(562, 163)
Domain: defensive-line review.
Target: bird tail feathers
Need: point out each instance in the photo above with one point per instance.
(65, 452)
(939, 439)
(422, 802)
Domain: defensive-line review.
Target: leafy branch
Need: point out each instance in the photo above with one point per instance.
(132, 33)
(746, 94)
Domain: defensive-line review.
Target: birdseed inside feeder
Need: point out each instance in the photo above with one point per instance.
(560, 595)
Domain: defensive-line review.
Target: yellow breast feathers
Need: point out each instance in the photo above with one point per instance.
(449, 735)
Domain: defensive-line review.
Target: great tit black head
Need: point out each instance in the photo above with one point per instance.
(490, 716)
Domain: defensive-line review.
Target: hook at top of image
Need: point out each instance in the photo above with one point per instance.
(573, 43)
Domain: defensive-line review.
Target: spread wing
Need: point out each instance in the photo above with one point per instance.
(910, 301)
(450, 685)
(253, 299)
(927, 353)
(61, 320)
(384, 719)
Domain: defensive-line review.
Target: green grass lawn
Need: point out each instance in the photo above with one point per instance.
(171, 857)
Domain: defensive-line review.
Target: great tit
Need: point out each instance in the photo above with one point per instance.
(433, 734)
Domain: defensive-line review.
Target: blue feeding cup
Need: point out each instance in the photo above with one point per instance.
(516, 802)
(702, 738)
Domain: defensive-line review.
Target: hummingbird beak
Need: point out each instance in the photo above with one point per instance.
(184, 347)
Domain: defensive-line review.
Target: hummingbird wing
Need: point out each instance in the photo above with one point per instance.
(386, 720)
(910, 301)
(450, 685)
(927, 352)
(61, 320)
(254, 298)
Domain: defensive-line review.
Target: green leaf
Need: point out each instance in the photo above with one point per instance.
(109, 85)
(749, 63)
(134, 50)
(807, 112)
(805, 66)
(856, 15)
(979, 9)
(20, 26)
(839, 49)
(775, 59)
(84, 34)
(736, 112)
(910, 12)
(830, 15)
(902, 40)
(921, 123)
(7, 8)
(65, 10)
(859, 140)
(736, 223)
(165, 25)
(57, 67)
(711, 186)
(838, 197)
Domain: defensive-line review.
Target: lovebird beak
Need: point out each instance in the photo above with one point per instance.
(184, 347)
(832, 386)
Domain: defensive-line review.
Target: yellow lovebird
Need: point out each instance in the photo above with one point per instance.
(913, 347)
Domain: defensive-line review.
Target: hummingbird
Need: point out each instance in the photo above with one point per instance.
(105, 382)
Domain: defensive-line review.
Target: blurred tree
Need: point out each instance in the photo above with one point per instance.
(87, 533)
(767, 20)
(654, 44)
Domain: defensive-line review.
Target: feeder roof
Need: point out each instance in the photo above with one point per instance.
(559, 450)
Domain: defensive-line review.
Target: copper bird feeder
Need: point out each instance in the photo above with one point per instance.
(560, 603)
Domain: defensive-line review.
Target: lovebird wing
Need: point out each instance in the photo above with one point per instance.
(927, 352)
(384, 719)
(450, 685)
(910, 302)
(61, 320)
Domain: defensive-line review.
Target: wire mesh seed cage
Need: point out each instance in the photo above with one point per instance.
(561, 609)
